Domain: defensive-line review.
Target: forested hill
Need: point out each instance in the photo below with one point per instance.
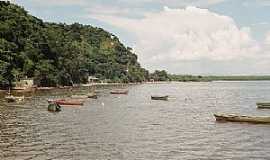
(60, 54)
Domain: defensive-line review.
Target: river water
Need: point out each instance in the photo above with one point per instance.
(133, 127)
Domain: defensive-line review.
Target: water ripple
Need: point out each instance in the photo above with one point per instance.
(134, 127)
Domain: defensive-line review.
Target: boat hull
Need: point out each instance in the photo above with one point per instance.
(14, 99)
(163, 98)
(53, 107)
(119, 92)
(263, 105)
(66, 102)
(92, 95)
(239, 118)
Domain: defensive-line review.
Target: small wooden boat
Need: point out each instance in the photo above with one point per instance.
(24, 89)
(239, 118)
(45, 88)
(119, 91)
(12, 98)
(65, 87)
(66, 102)
(89, 95)
(92, 95)
(54, 107)
(164, 98)
(263, 105)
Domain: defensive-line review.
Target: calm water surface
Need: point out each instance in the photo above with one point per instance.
(132, 127)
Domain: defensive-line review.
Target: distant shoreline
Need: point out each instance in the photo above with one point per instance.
(70, 87)
(125, 84)
(184, 78)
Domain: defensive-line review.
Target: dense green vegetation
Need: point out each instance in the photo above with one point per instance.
(160, 76)
(60, 54)
(187, 78)
(238, 78)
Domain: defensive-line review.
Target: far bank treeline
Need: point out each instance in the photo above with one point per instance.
(60, 54)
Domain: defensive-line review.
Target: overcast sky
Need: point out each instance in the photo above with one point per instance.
(205, 37)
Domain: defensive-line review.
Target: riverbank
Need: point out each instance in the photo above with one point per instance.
(212, 79)
(91, 86)
(199, 78)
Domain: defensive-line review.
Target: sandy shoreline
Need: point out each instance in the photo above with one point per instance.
(79, 86)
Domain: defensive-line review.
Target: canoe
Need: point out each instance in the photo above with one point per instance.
(45, 88)
(66, 102)
(89, 95)
(164, 98)
(263, 105)
(24, 89)
(241, 118)
(92, 95)
(54, 107)
(14, 99)
(65, 87)
(119, 91)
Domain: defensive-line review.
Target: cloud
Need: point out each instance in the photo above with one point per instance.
(266, 47)
(177, 38)
(104, 10)
(267, 38)
(175, 35)
(260, 23)
(183, 3)
(140, 7)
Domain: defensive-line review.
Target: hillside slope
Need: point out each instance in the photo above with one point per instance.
(60, 54)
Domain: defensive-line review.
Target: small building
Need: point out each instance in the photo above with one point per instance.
(24, 84)
(93, 79)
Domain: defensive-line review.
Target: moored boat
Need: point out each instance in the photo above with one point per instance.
(67, 102)
(45, 88)
(119, 91)
(65, 87)
(54, 107)
(89, 95)
(12, 98)
(164, 98)
(24, 89)
(92, 95)
(263, 105)
(241, 118)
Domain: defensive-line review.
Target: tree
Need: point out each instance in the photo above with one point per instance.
(60, 54)
(160, 75)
